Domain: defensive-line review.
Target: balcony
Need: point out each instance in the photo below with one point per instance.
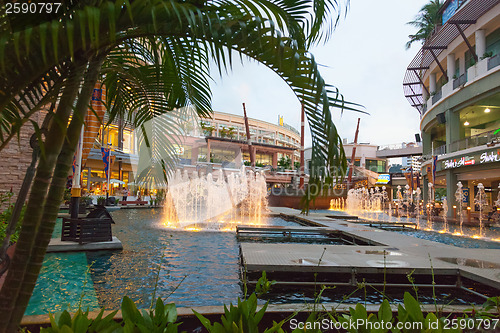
(437, 96)
(493, 61)
(482, 139)
(460, 81)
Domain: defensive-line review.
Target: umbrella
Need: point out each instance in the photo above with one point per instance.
(116, 181)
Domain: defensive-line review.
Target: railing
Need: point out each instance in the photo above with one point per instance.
(460, 81)
(441, 150)
(473, 141)
(437, 96)
(493, 62)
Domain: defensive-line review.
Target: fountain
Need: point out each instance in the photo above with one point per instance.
(459, 198)
(337, 204)
(407, 200)
(418, 194)
(215, 202)
(445, 217)
(480, 201)
(430, 206)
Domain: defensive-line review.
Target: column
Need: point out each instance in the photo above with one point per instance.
(208, 151)
(426, 143)
(425, 189)
(451, 188)
(450, 66)
(432, 83)
(194, 155)
(452, 129)
(480, 43)
(238, 159)
(461, 64)
(275, 160)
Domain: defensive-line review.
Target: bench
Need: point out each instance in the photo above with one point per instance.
(86, 230)
(124, 203)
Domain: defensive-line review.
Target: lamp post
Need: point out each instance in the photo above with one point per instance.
(76, 190)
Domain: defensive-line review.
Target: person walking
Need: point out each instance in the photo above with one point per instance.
(125, 194)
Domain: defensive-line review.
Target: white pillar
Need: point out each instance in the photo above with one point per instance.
(432, 83)
(461, 65)
(480, 43)
(450, 66)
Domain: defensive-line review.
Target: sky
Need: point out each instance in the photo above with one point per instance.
(365, 59)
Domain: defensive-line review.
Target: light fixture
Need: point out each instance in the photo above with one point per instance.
(487, 110)
(466, 123)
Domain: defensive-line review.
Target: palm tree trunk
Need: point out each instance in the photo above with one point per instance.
(56, 192)
(32, 218)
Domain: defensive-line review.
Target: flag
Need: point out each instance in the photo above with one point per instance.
(105, 159)
(434, 166)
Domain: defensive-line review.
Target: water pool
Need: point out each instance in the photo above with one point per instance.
(195, 268)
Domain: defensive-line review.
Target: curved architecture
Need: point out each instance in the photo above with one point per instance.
(454, 83)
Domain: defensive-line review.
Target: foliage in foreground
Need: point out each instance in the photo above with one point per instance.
(5, 216)
(245, 317)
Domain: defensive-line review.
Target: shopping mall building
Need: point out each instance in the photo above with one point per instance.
(219, 143)
(454, 83)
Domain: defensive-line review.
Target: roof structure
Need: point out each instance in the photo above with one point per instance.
(466, 15)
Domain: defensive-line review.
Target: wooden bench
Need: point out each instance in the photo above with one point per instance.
(124, 203)
(86, 230)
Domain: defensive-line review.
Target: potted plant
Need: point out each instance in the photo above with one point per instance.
(487, 55)
(101, 201)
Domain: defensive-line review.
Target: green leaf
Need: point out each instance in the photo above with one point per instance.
(413, 308)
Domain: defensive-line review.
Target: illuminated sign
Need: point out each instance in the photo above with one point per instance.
(383, 179)
(456, 163)
(179, 150)
(479, 158)
(490, 157)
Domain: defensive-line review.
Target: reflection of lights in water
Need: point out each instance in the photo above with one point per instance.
(495, 239)
(428, 229)
(457, 233)
(477, 236)
(192, 229)
(442, 231)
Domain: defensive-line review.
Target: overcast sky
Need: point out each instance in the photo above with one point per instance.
(365, 58)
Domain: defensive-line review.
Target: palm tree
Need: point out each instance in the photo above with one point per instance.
(153, 56)
(426, 21)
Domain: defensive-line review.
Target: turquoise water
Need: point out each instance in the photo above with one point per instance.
(193, 268)
(63, 281)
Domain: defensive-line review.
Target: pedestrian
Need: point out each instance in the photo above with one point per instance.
(125, 194)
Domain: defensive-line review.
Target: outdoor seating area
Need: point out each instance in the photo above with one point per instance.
(136, 202)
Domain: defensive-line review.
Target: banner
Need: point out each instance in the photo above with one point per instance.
(434, 167)
(105, 158)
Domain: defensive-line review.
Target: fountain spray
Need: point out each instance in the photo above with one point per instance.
(480, 200)
(459, 197)
(430, 206)
(445, 211)
(418, 193)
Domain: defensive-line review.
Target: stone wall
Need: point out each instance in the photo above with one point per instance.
(16, 157)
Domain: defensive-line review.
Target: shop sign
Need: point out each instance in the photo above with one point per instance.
(179, 150)
(383, 179)
(479, 158)
(450, 10)
(456, 163)
(490, 157)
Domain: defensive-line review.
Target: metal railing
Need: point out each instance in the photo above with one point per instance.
(437, 96)
(493, 61)
(473, 141)
(462, 79)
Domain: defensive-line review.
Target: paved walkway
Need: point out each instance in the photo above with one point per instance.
(402, 253)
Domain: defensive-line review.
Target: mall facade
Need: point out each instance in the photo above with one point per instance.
(454, 83)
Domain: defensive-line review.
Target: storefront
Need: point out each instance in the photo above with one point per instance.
(477, 166)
